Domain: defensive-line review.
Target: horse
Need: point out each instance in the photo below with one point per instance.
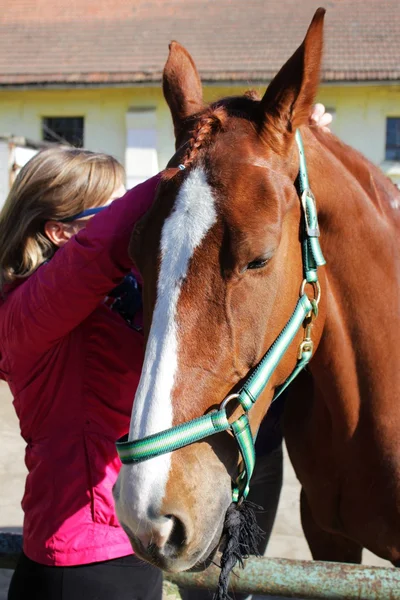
(221, 257)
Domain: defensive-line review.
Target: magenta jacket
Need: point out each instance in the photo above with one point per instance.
(73, 366)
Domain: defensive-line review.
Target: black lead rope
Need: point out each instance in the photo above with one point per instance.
(242, 536)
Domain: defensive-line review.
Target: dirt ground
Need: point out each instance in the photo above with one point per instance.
(287, 540)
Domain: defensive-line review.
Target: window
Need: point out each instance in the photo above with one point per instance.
(65, 130)
(392, 138)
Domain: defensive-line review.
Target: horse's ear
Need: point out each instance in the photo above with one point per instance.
(289, 98)
(181, 85)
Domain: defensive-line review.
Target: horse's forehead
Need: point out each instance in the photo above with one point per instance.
(241, 164)
(234, 145)
(248, 191)
(231, 181)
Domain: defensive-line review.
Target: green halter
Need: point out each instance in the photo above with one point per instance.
(217, 421)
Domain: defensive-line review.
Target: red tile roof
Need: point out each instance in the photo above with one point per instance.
(126, 41)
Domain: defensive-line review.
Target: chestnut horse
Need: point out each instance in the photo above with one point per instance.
(222, 265)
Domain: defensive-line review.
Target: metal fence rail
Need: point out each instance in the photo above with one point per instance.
(275, 577)
(10, 549)
(303, 579)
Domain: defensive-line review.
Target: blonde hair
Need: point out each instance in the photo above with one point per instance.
(55, 184)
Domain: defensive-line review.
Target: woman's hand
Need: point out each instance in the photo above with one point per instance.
(320, 118)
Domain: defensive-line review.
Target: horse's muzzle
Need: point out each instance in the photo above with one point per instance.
(174, 554)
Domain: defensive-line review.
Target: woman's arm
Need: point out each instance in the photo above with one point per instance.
(64, 291)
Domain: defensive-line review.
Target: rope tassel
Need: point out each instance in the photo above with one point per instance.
(242, 536)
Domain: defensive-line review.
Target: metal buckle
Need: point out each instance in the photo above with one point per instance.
(311, 231)
(307, 345)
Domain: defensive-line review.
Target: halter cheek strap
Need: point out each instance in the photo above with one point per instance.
(306, 310)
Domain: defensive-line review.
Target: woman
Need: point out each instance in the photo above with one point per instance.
(73, 365)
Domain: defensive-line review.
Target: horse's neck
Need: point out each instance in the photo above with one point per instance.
(344, 174)
(360, 225)
(359, 211)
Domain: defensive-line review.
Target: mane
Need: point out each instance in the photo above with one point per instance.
(213, 120)
(209, 124)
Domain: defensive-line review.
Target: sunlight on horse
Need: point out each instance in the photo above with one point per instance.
(222, 266)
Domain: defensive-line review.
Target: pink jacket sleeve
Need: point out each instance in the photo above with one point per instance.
(64, 291)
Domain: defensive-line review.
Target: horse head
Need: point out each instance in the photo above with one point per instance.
(221, 262)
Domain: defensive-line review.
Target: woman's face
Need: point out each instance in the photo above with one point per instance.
(59, 233)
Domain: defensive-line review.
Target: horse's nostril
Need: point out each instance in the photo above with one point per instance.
(163, 536)
(177, 536)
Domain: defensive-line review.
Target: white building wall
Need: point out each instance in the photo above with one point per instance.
(360, 115)
(360, 119)
(4, 171)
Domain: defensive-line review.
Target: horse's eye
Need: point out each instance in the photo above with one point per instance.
(258, 264)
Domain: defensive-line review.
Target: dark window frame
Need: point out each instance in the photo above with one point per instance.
(68, 130)
(392, 139)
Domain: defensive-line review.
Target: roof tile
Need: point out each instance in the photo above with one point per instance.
(126, 41)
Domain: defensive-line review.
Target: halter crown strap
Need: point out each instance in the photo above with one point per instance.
(134, 451)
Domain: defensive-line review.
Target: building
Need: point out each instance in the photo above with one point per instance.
(90, 72)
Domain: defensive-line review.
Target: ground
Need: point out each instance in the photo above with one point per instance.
(287, 540)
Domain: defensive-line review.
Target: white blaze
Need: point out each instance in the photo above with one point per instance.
(193, 215)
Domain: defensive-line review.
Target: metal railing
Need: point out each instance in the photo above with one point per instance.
(274, 576)
(10, 549)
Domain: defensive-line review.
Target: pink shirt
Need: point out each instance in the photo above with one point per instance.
(73, 366)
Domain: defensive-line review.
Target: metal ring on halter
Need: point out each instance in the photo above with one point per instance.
(227, 400)
(316, 288)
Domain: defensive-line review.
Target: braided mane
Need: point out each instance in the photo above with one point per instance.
(211, 122)
(202, 134)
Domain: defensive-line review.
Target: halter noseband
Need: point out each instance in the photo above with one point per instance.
(134, 451)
